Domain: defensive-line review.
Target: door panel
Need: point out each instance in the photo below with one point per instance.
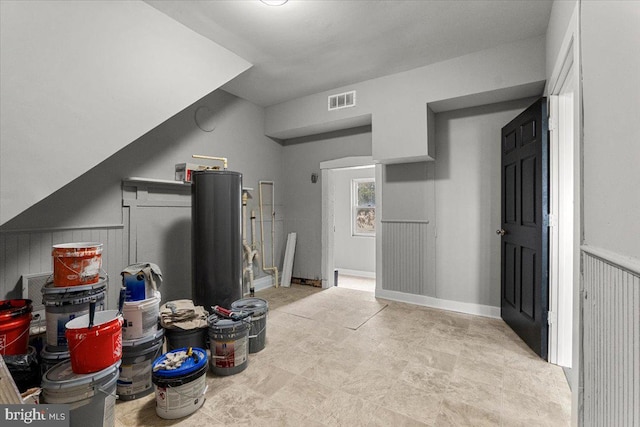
(525, 252)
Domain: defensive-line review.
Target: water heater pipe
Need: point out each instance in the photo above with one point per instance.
(249, 252)
(273, 231)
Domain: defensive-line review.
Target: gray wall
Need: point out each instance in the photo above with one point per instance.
(467, 201)
(303, 199)
(611, 97)
(96, 197)
(351, 252)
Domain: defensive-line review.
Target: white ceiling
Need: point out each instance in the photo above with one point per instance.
(309, 46)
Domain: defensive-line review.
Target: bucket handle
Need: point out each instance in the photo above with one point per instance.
(2, 348)
(258, 334)
(57, 258)
(100, 389)
(206, 387)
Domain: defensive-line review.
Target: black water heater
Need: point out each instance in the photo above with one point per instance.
(216, 236)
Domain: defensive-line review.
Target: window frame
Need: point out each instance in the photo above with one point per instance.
(354, 206)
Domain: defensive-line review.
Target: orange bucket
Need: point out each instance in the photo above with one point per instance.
(76, 264)
(96, 348)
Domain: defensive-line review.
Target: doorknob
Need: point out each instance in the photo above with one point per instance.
(501, 232)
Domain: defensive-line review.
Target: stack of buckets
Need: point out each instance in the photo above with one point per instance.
(91, 340)
(142, 340)
(15, 319)
(232, 338)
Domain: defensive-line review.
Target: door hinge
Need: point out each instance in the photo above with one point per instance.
(552, 317)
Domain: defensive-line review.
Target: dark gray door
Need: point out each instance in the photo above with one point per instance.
(524, 232)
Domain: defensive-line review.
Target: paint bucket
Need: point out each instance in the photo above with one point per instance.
(135, 372)
(24, 369)
(96, 348)
(178, 338)
(141, 317)
(258, 309)
(91, 397)
(76, 263)
(63, 304)
(228, 342)
(180, 392)
(15, 319)
(50, 358)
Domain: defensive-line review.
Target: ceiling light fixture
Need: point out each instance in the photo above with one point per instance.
(274, 2)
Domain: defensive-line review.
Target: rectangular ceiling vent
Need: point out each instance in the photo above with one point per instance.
(342, 100)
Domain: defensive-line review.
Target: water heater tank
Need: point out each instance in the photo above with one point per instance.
(216, 236)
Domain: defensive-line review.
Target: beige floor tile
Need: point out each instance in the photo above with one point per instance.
(478, 394)
(479, 371)
(458, 414)
(342, 357)
(414, 403)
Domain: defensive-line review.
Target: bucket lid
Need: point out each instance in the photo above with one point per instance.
(255, 306)
(101, 318)
(49, 288)
(14, 307)
(217, 322)
(159, 334)
(62, 376)
(45, 353)
(190, 365)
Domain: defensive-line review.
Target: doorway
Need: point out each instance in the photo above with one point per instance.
(349, 223)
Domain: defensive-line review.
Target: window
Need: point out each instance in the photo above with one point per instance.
(363, 207)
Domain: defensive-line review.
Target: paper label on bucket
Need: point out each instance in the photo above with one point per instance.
(230, 354)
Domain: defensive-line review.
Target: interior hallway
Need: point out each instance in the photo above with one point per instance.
(341, 357)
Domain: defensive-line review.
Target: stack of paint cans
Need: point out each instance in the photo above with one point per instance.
(76, 283)
(81, 358)
(142, 340)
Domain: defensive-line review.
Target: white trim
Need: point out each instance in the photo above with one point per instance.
(632, 265)
(457, 306)
(262, 283)
(348, 162)
(357, 273)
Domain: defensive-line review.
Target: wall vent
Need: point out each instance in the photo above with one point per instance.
(32, 289)
(342, 100)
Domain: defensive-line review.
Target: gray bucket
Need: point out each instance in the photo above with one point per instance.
(178, 338)
(62, 304)
(91, 397)
(258, 309)
(50, 358)
(228, 342)
(135, 371)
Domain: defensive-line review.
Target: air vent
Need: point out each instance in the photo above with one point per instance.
(342, 100)
(32, 289)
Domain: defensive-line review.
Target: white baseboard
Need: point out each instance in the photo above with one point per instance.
(358, 273)
(423, 300)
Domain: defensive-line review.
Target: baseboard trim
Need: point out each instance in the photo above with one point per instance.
(426, 301)
(358, 273)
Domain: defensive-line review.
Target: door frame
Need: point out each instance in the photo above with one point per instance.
(328, 211)
(569, 53)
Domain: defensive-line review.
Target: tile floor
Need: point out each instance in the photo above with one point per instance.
(340, 357)
(356, 282)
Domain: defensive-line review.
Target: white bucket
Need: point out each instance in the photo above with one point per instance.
(135, 372)
(63, 304)
(141, 317)
(91, 397)
(180, 392)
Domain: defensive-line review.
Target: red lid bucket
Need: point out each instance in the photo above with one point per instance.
(15, 319)
(94, 349)
(76, 263)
